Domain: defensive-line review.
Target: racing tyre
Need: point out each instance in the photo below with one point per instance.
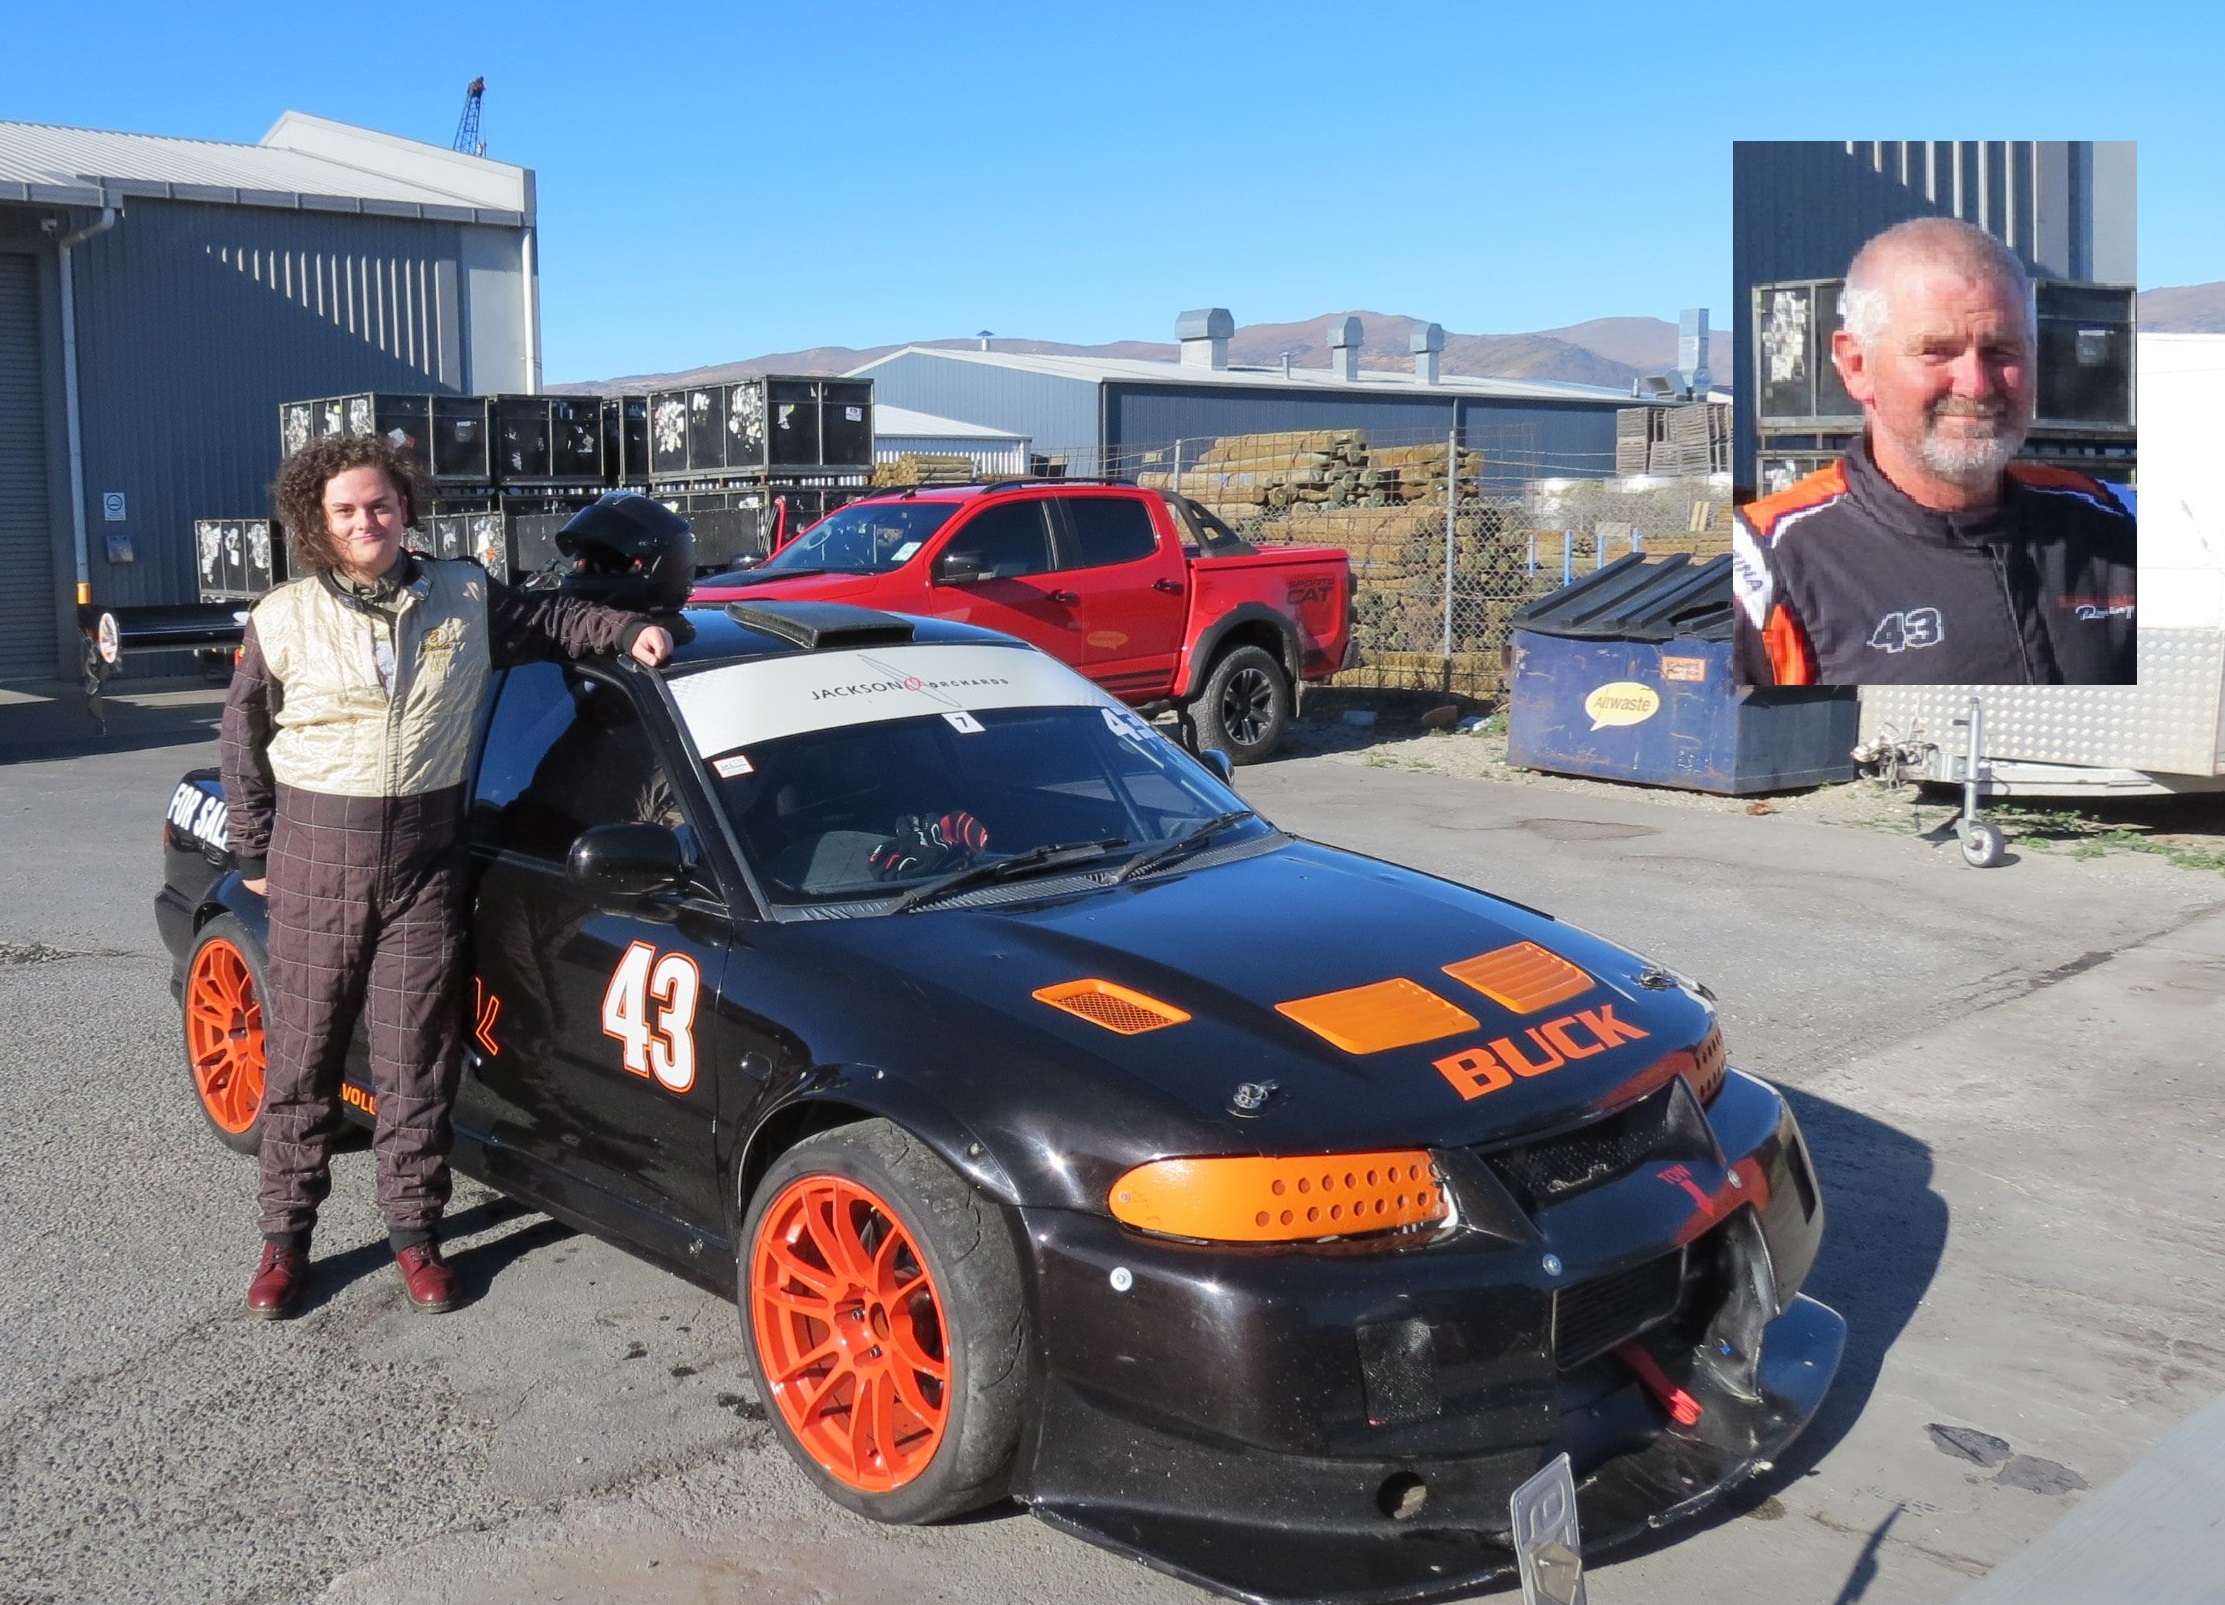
(1244, 706)
(225, 985)
(1983, 845)
(887, 1331)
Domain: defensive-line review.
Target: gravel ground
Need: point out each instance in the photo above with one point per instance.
(2186, 831)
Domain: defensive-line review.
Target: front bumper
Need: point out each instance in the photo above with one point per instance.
(1347, 1424)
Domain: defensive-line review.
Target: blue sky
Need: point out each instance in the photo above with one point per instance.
(720, 181)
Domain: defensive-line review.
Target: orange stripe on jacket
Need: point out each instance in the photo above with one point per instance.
(1791, 659)
(1763, 515)
(2043, 476)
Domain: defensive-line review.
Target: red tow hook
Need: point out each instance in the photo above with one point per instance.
(1683, 1409)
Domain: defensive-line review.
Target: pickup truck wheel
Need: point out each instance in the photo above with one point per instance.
(1244, 706)
(887, 1331)
(225, 986)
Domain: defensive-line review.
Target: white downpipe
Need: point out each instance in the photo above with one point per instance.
(531, 275)
(73, 424)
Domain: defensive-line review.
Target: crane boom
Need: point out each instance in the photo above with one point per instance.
(467, 137)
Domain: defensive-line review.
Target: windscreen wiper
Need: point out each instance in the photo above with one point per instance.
(1051, 855)
(1188, 841)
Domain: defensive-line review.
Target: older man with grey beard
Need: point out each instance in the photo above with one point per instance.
(1926, 556)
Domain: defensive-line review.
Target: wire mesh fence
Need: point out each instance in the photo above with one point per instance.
(1448, 535)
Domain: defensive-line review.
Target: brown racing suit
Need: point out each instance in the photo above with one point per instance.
(344, 745)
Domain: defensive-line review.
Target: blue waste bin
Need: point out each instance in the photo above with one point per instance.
(1626, 675)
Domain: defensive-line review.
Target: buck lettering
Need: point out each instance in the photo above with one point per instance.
(1473, 1072)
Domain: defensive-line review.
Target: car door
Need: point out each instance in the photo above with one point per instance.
(1008, 541)
(590, 1065)
(1130, 577)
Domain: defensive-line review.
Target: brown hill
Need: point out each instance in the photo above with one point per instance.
(1603, 351)
(2184, 309)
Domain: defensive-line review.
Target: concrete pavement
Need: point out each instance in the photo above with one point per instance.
(2008, 1077)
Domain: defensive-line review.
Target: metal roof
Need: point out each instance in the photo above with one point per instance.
(1132, 370)
(303, 163)
(902, 422)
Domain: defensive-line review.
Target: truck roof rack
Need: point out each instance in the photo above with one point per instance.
(817, 626)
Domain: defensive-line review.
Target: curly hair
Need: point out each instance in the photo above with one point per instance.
(297, 494)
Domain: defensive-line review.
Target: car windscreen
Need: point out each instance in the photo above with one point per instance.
(866, 775)
(872, 811)
(862, 538)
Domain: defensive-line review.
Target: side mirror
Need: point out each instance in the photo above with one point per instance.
(959, 568)
(1218, 761)
(626, 860)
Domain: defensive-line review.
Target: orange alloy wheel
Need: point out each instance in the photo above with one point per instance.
(849, 1330)
(224, 1036)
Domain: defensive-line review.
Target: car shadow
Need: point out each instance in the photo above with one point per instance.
(1885, 1231)
(477, 1267)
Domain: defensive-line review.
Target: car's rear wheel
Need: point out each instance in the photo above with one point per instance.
(225, 986)
(887, 1332)
(1244, 706)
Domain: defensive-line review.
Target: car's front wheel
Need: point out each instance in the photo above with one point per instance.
(888, 1336)
(225, 988)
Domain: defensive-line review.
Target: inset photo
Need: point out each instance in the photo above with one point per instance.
(1934, 451)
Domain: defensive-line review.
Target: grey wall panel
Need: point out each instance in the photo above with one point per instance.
(1058, 415)
(26, 556)
(1520, 440)
(2113, 215)
(1802, 208)
(497, 354)
(195, 321)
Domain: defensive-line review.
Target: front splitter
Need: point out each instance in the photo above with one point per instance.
(1457, 1541)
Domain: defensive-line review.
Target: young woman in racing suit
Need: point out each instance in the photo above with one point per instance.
(344, 744)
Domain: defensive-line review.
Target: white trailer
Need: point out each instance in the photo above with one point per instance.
(2166, 734)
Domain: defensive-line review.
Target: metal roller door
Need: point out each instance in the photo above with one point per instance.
(26, 552)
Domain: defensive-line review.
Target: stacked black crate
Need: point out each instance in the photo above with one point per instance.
(237, 559)
(750, 462)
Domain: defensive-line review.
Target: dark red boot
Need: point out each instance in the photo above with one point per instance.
(431, 1284)
(280, 1277)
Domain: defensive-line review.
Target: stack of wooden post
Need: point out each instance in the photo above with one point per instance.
(1417, 473)
(1315, 467)
(1274, 470)
(927, 468)
(1398, 581)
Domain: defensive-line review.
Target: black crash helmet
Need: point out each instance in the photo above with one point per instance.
(629, 550)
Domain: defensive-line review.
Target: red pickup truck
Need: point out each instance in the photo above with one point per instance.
(1150, 595)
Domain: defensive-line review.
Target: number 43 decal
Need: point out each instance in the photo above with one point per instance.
(1901, 632)
(645, 984)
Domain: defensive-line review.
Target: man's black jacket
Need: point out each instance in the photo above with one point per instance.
(1842, 580)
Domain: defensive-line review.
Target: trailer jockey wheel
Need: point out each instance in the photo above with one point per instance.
(1983, 845)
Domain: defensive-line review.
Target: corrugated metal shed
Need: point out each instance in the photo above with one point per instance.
(325, 260)
(304, 163)
(899, 431)
(1134, 370)
(1109, 414)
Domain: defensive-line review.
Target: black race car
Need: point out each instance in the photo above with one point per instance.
(1066, 1132)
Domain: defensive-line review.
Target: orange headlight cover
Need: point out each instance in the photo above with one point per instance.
(1246, 1199)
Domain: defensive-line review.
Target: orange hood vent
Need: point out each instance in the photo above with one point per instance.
(1116, 1008)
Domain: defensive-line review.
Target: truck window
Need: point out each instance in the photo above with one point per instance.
(1108, 530)
(1009, 540)
(1203, 531)
(564, 752)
